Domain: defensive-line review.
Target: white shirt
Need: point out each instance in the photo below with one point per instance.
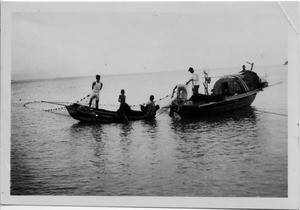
(195, 80)
(97, 87)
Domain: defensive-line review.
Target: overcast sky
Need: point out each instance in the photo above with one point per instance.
(119, 38)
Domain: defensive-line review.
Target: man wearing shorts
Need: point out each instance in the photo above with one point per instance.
(96, 87)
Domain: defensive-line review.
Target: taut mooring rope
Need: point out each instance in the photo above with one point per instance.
(275, 113)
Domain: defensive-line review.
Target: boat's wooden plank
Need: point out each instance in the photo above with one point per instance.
(231, 98)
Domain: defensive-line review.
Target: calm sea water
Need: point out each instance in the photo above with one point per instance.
(243, 153)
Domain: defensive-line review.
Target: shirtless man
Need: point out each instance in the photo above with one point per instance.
(150, 108)
(96, 87)
(124, 107)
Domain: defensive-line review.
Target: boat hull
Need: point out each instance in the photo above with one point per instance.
(102, 116)
(213, 108)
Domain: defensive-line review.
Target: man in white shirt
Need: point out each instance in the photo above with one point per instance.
(194, 80)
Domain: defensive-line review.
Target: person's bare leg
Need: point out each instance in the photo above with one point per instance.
(90, 104)
(97, 104)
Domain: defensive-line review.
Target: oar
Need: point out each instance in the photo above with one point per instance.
(251, 65)
(123, 112)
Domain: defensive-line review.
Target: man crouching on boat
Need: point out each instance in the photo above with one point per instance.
(96, 87)
(181, 97)
(181, 92)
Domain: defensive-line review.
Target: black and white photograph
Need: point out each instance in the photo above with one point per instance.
(150, 104)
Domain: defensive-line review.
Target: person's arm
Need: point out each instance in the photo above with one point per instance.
(189, 81)
(94, 83)
(101, 86)
(173, 91)
(119, 98)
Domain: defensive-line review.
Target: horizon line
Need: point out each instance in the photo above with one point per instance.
(131, 73)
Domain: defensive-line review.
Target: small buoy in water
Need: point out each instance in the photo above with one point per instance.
(96, 115)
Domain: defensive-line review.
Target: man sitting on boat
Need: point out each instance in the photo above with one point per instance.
(243, 69)
(124, 107)
(150, 109)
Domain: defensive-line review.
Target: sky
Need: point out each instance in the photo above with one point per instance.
(118, 38)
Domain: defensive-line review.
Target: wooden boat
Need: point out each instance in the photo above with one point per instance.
(87, 114)
(229, 93)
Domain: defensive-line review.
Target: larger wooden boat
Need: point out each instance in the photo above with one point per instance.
(229, 93)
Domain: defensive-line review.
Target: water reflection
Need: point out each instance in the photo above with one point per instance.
(125, 144)
(98, 147)
(125, 130)
(237, 117)
(150, 128)
(81, 129)
(232, 138)
(247, 113)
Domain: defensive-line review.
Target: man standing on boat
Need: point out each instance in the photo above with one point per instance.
(194, 80)
(96, 87)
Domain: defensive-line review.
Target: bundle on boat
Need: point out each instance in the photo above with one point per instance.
(229, 92)
(87, 114)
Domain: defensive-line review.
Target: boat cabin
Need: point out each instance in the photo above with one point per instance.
(230, 85)
(237, 84)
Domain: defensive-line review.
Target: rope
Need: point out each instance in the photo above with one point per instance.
(160, 113)
(274, 84)
(154, 101)
(280, 114)
(83, 98)
(50, 102)
(242, 81)
(63, 104)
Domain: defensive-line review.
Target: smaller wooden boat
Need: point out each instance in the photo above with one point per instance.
(87, 114)
(229, 93)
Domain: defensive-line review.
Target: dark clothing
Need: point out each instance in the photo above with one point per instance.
(196, 90)
(124, 109)
(149, 110)
(206, 98)
(122, 99)
(252, 80)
